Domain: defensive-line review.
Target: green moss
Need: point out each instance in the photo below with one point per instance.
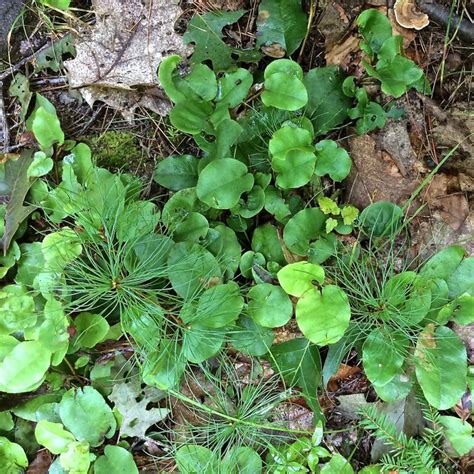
(115, 149)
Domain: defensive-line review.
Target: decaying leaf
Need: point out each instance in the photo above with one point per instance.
(13, 193)
(131, 401)
(117, 59)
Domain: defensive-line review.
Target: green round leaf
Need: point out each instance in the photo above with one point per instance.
(222, 182)
(265, 241)
(23, 369)
(375, 27)
(234, 87)
(87, 416)
(115, 460)
(300, 277)
(337, 464)
(41, 165)
(248, 260)
(323, 316)
(200, 82)
(31, 263)
(191, 116)
(289, 138)
(17, 309)
(90, 330)
(397, 389)
(285, 92)
(459, 434)
(177, 172)
(332, 160)
(218, 306)
(380, 218)
(225, 246)
(443, 263)
(269, 305)
(12, 457)
(383, 355)
(193, 229)
(201, 342)
(441, 366)
(303, 228)
(60, 248)
(190, 268)
(192, 459)
(53, 436)
(462, 279)
(286, 66)
(250, 338)
(296, 169)
(243, 460)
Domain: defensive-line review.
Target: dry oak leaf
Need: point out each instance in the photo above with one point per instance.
(117, 59)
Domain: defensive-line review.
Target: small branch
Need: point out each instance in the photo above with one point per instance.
(3, 122)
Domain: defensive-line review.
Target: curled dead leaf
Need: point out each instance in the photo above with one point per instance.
(408, 15)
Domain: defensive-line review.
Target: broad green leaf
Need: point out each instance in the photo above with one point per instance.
(218, 306)
(44, 124)
(441, 367)
(397, 389)
(115, 460)
(137, 219)
(302, 229)
(76, 459)
(269, 305)
(327, 104)
(286, 66)
(285, 92)
(299, 363)
(461, 310)
(165, 367)
(191, 116)
(265, 241)
(200, 342)
(180, 205)
(223, 243)
(17, 309)
(177, 172)
(60, 248)
(166, 77)
(296, 169)
(252, 204)
(59, 4)
(462, 279)
(192, 459)
(41, 165)
(332, 160)
(12, 457)
(396, 76)
(242, 460)
(222, 182)
(251, 338)
(233, 88)
(201, 82)
(12, 256)
(300, 277)
(191, 268)
(459, 434)
(53, 436)
(6, 421)
(30, 264)
(381, 218)
(24, 368)
(87, 416)
(281, 26)
(90, 330)
(248, 260)
(323, 316)
(375, 27)
(276, 205)
(193, 228)
(338, 465)
(289, 138)
(443, 263)
(383, 355)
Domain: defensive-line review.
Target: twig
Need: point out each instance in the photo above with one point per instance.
(3, 122)
(19, 64)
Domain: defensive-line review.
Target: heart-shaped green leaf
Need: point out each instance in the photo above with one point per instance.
(300, 277)
(332, 160)
(269, 305)
(441, 366)
(177, 172)
(284, 91)
(323, 316)
(302, 229)
(222, 182)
